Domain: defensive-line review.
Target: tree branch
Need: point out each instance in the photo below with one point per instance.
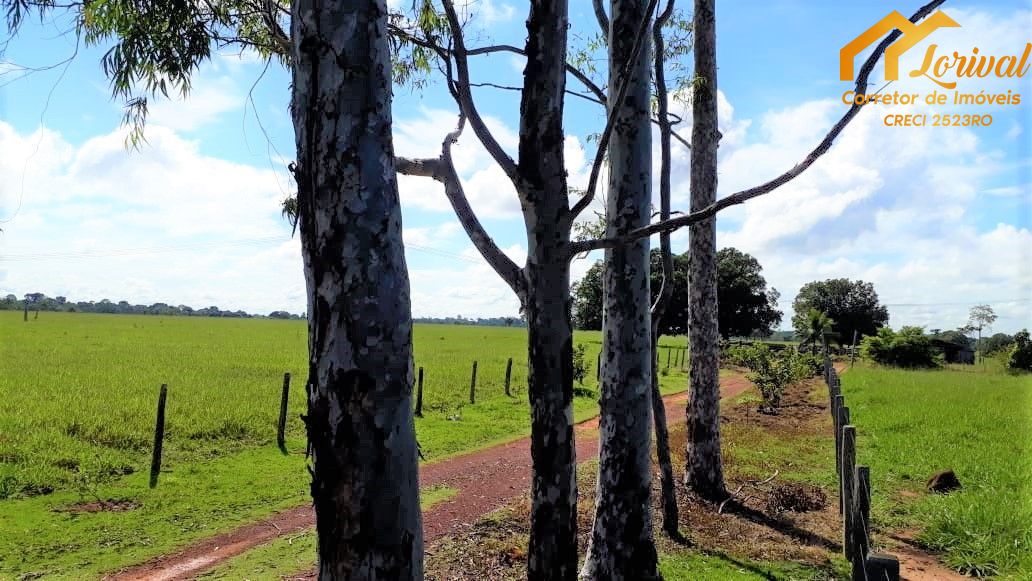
(603, 142)
(279, 37)
(598, 95)
(665, 133)
(464, 98)
(765, 188)
(442, 169)
(600, 15)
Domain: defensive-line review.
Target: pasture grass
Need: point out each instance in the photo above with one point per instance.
(78, 391)
(698, 565)
(975, 421)
(40, 536)
(78, 394)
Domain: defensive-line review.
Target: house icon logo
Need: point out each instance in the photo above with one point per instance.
(911, 35)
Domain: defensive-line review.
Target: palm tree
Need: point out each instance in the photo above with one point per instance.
(818, 326)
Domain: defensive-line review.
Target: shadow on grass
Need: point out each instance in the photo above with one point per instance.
(802, 536)
(746, 565)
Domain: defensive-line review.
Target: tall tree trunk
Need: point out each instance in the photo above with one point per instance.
(360, 426)
(704, 472)
(666, 469)
(542, 187)
(621, 545)
(553, 535)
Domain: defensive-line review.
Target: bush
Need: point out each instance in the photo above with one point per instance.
(739, 354)
(909, 347)
(580, 366)
(810, 365)
(1021, 353)
(774, 370)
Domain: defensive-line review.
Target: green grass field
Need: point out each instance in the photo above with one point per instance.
(912, 424)
(77, 404)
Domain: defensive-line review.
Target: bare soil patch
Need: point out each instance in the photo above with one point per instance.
(110, 505)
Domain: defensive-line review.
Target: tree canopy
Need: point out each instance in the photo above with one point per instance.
(852, 304)
(746, 306)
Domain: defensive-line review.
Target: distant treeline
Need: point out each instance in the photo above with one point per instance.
(41, 302)
(460, 320)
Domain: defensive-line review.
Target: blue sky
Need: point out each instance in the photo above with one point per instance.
(938, 218)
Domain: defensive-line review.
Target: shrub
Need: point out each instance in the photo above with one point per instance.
(739, 354)
(774, 370)
(908, 347)
(1021, 353)
(810, 365)
(580, 367)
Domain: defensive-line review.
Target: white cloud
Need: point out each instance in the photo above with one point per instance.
(212, 96)
(488, 12)
(163, 224)
(896, 207)
(489, 190)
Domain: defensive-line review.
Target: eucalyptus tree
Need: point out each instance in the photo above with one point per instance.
(539, 177)
(704, 470)
(661, 305)
(360, 425)
(621, 545)
(365, 484)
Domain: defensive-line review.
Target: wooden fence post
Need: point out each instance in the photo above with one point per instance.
(281, 429)
(159, 436)
(841, 420)
(668, 358)
(419, 394)
(881, 567)
(837, 401)
(862, 526)
(848, 476)
(508, 375)
(473, 385)
(852, 350)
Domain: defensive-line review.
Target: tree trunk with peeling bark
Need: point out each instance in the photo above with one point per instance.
(360, 427)
(704, 472)
(668, 494)
(621, 544)
(542, 187)
(553, 534)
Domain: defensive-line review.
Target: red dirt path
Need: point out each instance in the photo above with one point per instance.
(486, 480)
